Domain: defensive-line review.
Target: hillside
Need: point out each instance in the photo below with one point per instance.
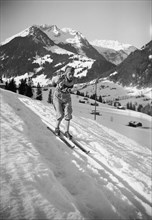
(43, 51)
(111, 92)
(113, 51)
(41, 178)
(136, 69)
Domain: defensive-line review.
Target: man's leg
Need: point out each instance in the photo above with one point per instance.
(67, 125)
(68, 117)
(58, 122)
(59, 114)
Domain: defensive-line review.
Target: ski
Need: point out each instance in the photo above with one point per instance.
(77, 144)
(63, 138)
(71, 143)
(80, 146)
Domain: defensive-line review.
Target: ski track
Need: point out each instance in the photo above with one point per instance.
(121, 163)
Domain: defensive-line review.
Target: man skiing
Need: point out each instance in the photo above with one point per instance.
(62, 99)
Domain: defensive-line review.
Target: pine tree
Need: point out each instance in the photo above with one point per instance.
(93, 96)
(12, 85)
(77, 93)
(28, 91)
(140, 107)
(147, 109)
(6, 85)
(133, 107)
(128, 106)
(22, 87)
(50, 96)
(39, 92)
(100, 99)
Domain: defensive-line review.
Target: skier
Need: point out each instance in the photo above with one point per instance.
(63, 84)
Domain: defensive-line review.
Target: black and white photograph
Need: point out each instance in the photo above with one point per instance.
(75, 109)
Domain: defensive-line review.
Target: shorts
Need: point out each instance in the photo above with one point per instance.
(63, 106)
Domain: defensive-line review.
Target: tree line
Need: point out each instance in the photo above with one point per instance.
(93, 96)
(147, 109)
(24, 88)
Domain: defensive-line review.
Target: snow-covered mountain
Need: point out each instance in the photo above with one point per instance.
(41, 51)
(113, 51)
(111, 44)
(136, 69)
(64, 35)
(26, 52)
(71, 40)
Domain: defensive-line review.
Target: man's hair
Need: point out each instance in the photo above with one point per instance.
(60, 72)
(69, 67)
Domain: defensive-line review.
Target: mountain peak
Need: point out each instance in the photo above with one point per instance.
(51, 30)
(72, 32)
(28, 31)
(46, 27)
(69, 30)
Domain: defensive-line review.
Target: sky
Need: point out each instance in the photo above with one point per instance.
(126, 21)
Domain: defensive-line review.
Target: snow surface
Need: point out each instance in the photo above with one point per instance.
(64, 35)
(112, 90)
(41, 79)
(58, 50)
(42, 60)
(41, 178)
(111, 44)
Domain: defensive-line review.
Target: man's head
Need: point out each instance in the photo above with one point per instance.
(69, 71)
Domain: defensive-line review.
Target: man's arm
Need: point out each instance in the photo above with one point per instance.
(54, 81)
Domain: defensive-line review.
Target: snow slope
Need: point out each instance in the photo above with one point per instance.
(111, 44)
(41, 178)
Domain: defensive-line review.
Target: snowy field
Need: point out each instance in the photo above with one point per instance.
(41, 178)
(110, 91)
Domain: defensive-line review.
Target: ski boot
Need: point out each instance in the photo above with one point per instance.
(68, 135)
(57, 131)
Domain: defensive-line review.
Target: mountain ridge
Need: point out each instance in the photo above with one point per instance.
(35, 42)
(136, 69)
(46, 49)
(113, 51)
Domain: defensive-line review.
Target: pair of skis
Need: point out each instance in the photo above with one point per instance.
(72, 143)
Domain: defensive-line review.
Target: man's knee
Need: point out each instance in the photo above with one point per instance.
(68, 116)
(60, 116)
